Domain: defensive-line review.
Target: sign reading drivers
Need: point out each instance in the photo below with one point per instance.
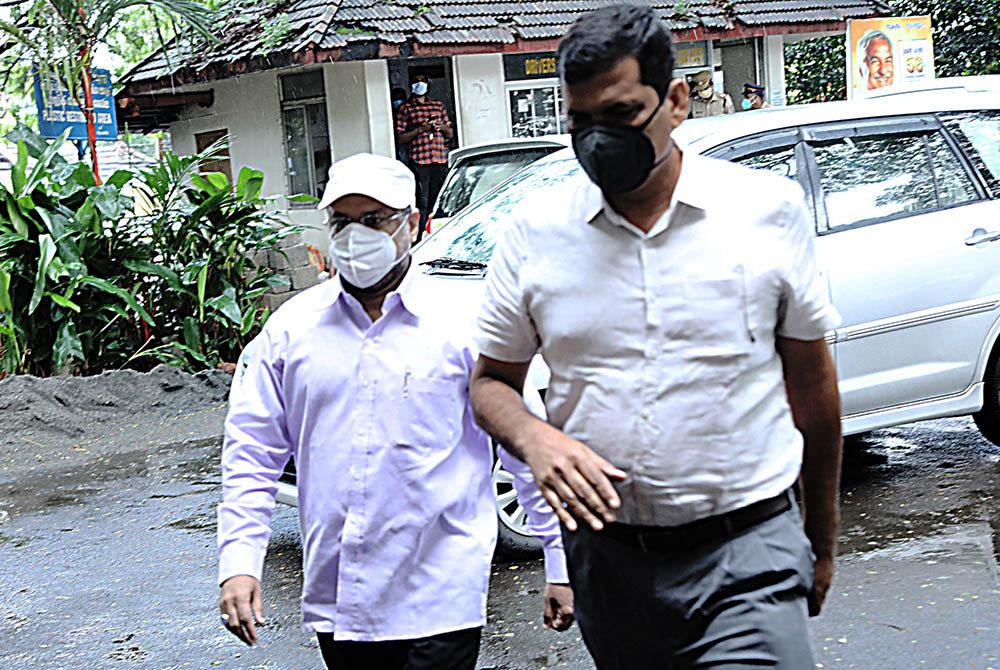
(57, 110)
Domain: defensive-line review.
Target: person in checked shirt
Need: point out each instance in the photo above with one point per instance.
(423, 123)
(363, 380)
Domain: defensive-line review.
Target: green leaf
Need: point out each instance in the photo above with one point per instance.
(202, 184)
(119, 178)
(202, 280)
(226, 304)
(42, 166)
(5, 303)
(35, 143)
(20, 225)
(157, 270)
(46, 252)
(218, 180)
(86, 216)
(17, 175)
(302, 197)
(249, 184)
(67, 347)
(108, 201)
(192, 333)
(63, 301)
(125, 296)
(249, 321)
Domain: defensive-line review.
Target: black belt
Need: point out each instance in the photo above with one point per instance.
(669, 539)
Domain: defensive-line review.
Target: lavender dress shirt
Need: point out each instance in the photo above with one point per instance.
(395, 504)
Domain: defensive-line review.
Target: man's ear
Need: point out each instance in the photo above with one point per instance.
(678, 95)
(414, 224)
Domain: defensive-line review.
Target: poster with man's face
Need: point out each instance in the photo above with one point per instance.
(888, 54)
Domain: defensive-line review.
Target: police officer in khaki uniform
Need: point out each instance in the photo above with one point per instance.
(753, 97)
(705, 101)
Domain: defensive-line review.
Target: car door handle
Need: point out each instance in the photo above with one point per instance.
(979, 236)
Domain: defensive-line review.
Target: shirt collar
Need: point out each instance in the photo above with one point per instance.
(692, 189)
(408, 293)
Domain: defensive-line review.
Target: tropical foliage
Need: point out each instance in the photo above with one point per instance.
(151, 266)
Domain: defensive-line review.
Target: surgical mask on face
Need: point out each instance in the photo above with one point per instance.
(419, 88)
(746, 103)
(618, 159)
(363, 255)
(396, 104)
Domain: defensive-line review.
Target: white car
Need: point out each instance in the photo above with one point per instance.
(476, 169)
(905, 195)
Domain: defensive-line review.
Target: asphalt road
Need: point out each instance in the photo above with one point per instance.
(107, 560)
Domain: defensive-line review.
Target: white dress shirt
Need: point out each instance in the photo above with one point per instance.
(662, 345)
(396, 508)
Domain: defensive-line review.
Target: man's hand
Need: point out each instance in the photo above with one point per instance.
(558, 606)
(242, 605)
(569, 473)
(821, 584)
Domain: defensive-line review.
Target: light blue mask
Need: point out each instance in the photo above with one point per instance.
(419, 88)
(746, 104)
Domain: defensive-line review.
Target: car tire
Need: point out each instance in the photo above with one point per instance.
(513, 539)
(988, 418)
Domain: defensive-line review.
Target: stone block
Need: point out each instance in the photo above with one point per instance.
(273, 302)
(303, 277)
(292, 240)
(292, 257)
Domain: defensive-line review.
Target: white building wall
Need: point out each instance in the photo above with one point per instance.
(347, 108)
(249, 109)
(480, 103)
(380, 121)
(774, 69)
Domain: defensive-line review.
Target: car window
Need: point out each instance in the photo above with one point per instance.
(953, 183)
(863, 179)
(780, 161)
(472, 178)
(472, 234)
(978, 134)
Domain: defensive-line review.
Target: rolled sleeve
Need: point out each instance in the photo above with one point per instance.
(806, 311)
(254, 453)
(505, 330)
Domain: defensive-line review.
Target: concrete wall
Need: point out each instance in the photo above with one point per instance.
(480, 102)
(774, 69)
(248, 108)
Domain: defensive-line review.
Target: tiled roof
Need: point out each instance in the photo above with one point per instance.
(269, 29)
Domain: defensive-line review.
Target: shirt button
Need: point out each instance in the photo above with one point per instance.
(646, 414)
(355, 474)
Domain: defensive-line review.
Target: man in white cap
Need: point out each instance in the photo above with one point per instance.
(364, 381)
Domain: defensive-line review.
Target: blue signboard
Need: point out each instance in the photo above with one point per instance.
(57, 110)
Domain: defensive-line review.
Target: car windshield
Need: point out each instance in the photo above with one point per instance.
(472, 178)
(470, 236)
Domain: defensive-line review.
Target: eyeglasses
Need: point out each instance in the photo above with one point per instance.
(337, 222)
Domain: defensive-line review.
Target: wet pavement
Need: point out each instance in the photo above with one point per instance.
(107, 560)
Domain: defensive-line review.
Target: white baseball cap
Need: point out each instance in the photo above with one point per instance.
(379, 177)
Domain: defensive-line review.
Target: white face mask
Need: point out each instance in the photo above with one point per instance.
(419, 88)
(363, 255)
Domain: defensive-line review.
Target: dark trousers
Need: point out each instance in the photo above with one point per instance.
(430, 178)
(457, 650)
(731, 604)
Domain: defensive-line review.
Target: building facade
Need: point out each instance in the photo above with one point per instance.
(323, 90)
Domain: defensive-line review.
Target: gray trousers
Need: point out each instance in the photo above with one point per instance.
(735, 603)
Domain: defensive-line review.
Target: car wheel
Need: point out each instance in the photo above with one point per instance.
(513, 538)
(988, 418)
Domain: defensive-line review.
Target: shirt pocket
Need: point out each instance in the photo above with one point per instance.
(428, 419)
(711, 321)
